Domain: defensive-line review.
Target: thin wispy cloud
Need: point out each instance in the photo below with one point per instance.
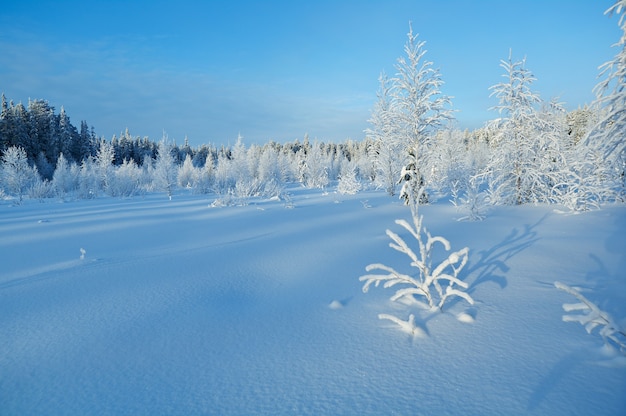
(280, 70)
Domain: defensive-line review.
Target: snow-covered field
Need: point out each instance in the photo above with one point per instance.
(178, 307)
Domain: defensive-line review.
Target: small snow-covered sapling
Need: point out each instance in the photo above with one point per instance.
(435, 284)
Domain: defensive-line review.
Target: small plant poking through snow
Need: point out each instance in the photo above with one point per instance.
(591, 317)
(434, 284)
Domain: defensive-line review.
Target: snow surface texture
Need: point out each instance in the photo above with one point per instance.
(151, 306)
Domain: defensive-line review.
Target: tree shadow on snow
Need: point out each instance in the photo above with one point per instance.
(606, 289)
(491, 265)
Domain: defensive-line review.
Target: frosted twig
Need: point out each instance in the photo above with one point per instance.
(592, 317)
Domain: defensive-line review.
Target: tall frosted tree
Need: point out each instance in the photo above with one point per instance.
(414, 110)
(517, 105)
(386, 150)
(420, 108)
(607, 137)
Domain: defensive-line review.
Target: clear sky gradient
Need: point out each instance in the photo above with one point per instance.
(275, 70)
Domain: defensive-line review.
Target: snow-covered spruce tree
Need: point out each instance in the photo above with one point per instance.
(607, 137)
(592, 317)
(434, 284)
(17, 175)
(419, 108)
(165, 169)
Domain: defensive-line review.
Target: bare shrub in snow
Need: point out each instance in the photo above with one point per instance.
(592, 317)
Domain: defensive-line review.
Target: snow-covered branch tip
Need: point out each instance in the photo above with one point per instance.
(407, 326)
(592, 317)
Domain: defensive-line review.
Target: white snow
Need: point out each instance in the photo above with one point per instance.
(151, 306)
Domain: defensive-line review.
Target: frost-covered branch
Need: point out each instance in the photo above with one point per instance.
(592, 317)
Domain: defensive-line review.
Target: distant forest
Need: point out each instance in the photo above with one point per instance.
(44, 135)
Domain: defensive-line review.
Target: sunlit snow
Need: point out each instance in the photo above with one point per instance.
(151, 306)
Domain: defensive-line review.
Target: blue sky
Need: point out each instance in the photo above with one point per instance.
(275, 70)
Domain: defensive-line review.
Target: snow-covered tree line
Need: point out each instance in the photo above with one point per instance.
(461, 164)
(534, 151)
(233, 174)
